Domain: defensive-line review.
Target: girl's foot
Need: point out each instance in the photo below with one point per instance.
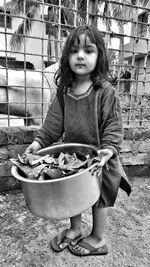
(62, 240)
(89, 246)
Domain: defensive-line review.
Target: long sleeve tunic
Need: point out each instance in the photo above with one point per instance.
(91, 118)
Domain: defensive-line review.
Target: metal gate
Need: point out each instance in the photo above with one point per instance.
(32, 34)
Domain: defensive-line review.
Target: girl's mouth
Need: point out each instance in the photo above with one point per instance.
(80, 65)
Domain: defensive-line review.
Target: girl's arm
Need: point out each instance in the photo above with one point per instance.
(53, 126)
(111, 127)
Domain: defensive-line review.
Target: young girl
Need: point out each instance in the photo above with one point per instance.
(83, 80)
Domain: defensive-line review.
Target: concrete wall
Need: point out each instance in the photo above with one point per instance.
(135, 154)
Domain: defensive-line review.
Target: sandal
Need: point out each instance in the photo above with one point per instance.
(64, 239)
(77, 249)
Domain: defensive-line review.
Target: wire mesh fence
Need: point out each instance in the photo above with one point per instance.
(32, 35)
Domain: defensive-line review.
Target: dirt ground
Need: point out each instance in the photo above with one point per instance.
(25, 239)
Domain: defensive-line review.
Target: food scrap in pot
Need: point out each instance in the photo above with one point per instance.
(46, 167)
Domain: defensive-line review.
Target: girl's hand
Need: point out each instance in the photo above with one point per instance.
(105, 154)
(33, 148)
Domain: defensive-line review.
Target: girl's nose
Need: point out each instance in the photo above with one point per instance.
(80, 54)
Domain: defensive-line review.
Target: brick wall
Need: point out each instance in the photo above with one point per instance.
(135, 153)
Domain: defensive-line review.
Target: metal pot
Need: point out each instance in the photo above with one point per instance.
(63, 197)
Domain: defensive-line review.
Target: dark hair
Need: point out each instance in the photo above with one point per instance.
(64, 76)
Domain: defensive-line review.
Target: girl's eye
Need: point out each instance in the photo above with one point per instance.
(88, 51)
(74, 50)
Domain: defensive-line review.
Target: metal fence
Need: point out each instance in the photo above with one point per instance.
(32, 34)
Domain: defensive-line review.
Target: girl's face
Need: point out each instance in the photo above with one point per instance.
(83, 56)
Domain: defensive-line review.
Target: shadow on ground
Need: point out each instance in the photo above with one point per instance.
(25, 239)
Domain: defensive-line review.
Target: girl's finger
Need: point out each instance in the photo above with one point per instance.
(102, 162)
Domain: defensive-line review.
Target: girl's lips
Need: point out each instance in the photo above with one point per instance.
(80, 65)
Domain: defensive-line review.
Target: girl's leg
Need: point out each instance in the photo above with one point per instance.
(96, 237)
(75, 226)
(73, 231)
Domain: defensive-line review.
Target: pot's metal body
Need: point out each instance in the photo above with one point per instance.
(63, 197)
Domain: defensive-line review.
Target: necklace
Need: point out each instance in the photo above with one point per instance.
(81, 95)
(80, 90)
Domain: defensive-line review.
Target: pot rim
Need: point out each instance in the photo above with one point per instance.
(63, 144)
